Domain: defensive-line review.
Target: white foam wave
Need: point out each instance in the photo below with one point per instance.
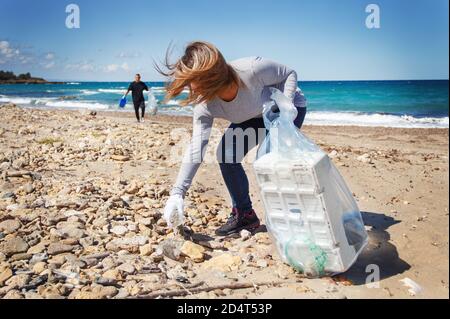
(54, 102)
(364, 119)
(78, 105)
(116, 91)
(73, 83)
(88, 92)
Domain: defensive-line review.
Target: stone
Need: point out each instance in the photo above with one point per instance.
(20, 256)
(112, 274)
(245, 234)
(58, 248)
(120, 158)
(13, 294)
(13, 246)
(9, 226)
(126, 268)
(18, 281)
(36, 249)
(194, 251)
(365, 158)
(5, 275)
(146, 250)
(225, 262)
(39, 267)
(131, 244)
(261, 263)
(70, 230)
(97, 292)
(170, 248)
(119, 230)
(28, 188)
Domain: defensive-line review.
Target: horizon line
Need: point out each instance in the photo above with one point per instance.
(161, 81)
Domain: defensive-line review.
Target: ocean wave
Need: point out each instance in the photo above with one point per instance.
(73, 83)
(78, 105)
(54, 102)
(116, 91)
(374, 119)
(89, 92)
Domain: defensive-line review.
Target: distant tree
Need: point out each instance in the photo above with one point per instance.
(7, 75)
(25, 76)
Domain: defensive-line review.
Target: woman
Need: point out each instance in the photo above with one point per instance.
(236, 92)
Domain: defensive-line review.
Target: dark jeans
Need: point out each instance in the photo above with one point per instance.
(139, 105)
(230, 156)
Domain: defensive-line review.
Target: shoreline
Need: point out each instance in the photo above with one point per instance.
(188, 119)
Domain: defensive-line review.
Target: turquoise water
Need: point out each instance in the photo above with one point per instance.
(370, 103)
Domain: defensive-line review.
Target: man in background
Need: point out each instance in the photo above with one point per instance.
(137, 88)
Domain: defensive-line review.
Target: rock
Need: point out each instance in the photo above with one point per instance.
(193, 251)
(39, 267)
(5, 275)
(13, 294)
(13, 246)
(131, 244)
(365, 158)
(58, 248)
(119, 230)
(127, 268)
(20, 256)
(18, 281)
(261, 263)
(70, 230)
(9, 226)
(106, 281)
(97, 292)
(170, 248)
(146, 250)
(333, 154)
(28, 188)
(112, 274)
(225, 262)
(245, 234)
(120, 158)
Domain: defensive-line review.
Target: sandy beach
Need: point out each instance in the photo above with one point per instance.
(81, 196)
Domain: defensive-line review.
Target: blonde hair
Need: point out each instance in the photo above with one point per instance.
(203, 64)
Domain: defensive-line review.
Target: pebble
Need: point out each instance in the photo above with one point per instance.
(58, 248)
(13, 246)
(225, 262)
(119, 230)
(245, 234)
(9, 226)
(194, 251)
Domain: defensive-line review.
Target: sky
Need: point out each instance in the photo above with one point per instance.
(320, 39)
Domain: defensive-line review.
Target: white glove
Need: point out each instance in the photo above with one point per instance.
(173, 211)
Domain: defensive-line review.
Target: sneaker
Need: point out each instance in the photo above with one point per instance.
(142, 120)
(239, 221)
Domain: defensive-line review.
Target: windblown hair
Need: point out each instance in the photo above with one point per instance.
(203, 64)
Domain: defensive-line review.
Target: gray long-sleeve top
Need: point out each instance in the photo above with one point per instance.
(257, 74)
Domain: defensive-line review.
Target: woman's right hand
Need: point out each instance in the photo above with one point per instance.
(173, 211)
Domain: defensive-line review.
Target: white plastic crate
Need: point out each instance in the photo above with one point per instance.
(307, 198)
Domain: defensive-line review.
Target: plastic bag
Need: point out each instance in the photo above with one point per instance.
(310, 212)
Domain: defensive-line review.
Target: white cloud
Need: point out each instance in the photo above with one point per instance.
(11, 54)
(50, 56)
(116, 67)
(81, 66)
(7, 51)
(128, 55)
(49, 65)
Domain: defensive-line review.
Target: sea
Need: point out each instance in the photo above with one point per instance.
(407, 104)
